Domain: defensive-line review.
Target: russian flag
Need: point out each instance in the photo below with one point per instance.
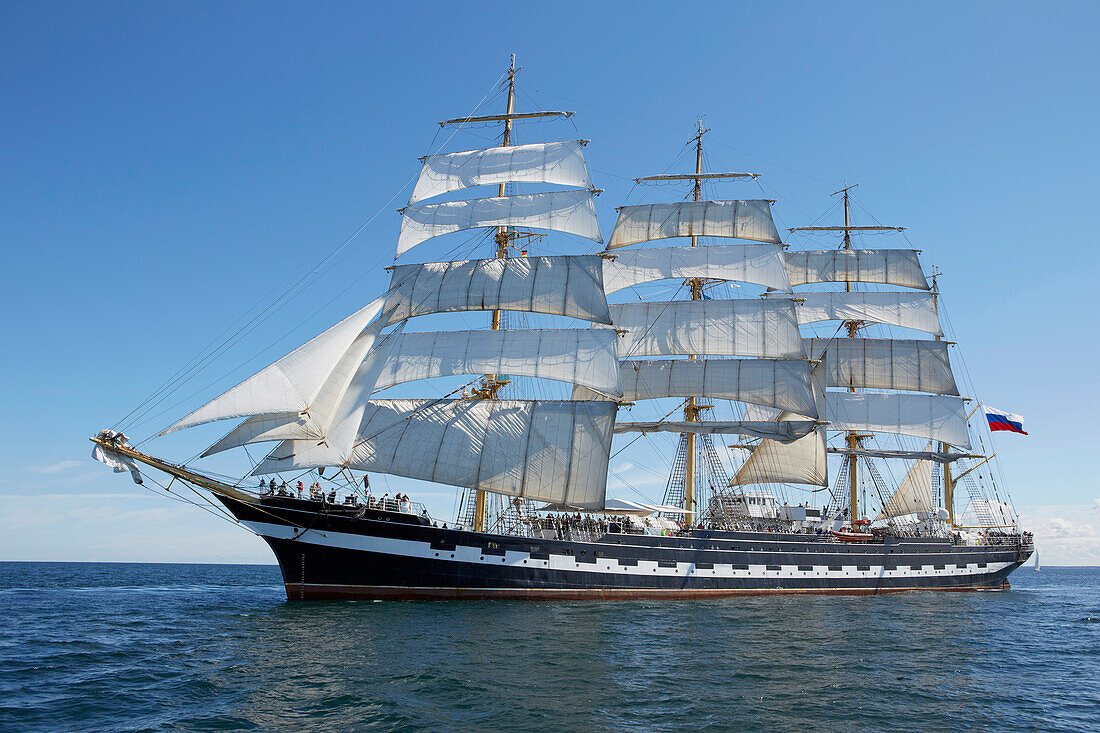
(1001, 420)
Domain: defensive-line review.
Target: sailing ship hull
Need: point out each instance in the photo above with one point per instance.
(329, 553)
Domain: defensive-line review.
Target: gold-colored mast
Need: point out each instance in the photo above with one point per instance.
(692, 408)
(948, 480)
(853, 328)
(853, 438)
(492, 383)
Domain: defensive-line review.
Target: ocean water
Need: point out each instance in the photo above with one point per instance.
(115, 647)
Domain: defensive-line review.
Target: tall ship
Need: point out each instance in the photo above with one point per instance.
(797, 402)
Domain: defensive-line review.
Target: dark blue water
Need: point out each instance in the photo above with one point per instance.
(100, 647)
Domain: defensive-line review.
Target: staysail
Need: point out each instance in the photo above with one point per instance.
(295, 381)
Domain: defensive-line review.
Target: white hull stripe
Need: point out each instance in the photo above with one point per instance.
(606, 566)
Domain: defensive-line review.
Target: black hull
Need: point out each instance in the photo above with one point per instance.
(328, 553)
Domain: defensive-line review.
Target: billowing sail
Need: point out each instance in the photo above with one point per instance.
(569, 285)
(914, 494)
(561, 163)
(909, 310)
(747, 327)
(760, 264)
(736, 219)
(920, 366)
(334, 448)
(781, 431)
(802, 461)
(293, 382)
(935, 417)
(898, 267)
(780, 383)
(572, 212)
(554, 451)
(581, 356)
(315, 423)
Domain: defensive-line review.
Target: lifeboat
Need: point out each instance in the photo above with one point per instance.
(853, 535)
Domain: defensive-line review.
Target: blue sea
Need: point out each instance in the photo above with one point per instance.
(120, 647)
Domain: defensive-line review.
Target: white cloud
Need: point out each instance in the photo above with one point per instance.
(58, 467)
(1065, 534)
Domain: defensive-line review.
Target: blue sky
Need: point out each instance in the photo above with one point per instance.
(166, 165)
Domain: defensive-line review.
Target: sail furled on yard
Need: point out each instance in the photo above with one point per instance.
(935, 417)
(897, 267)
(784, 432)
(921, 366)
(547, 450)
(571, 212)
(914, 493)
(560, 163)
(744, 327)
(581, 356)
(292, 383)
(760, 264)
(781, 383)
(565, 285)
(908, 310)
(750, 220)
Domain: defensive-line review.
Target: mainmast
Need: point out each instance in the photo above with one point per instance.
(692, 408)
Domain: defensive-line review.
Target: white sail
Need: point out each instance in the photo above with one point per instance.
(334, 448)
(914, 494)
(568, 285)
(316, 422)
(780, 383)
(746, 327)
(554, 451)
(760, 264)
(802, 461)
(781, 431)
(572, 212)
(921, 366)
(935, 417)
(737, 219)
(292, 383)
(899, 267)
(580, 356)
(561, 163)
(909, 310)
